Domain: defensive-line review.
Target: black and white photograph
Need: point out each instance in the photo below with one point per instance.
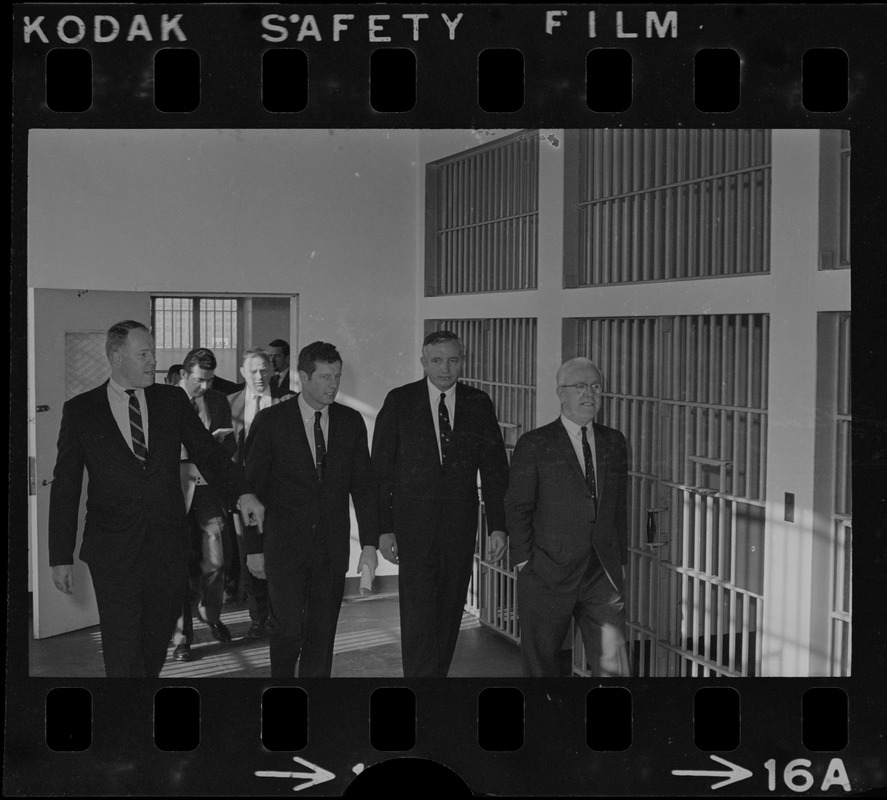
(417, 411)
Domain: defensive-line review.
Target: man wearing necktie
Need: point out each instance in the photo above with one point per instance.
(245, 406)
(207, 512)
(308, 457)
(127, 434)
(431, 440)
(567, 523)
(279, 350)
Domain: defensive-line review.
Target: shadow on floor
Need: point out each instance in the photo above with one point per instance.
(367, 646)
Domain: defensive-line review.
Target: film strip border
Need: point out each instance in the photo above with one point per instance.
(400, 65)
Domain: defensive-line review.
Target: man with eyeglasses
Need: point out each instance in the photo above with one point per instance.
(567, 523)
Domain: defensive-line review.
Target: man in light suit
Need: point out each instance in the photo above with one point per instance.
(431, 439)
(207, 511)
(566, 517)
(306, 457)
(128, 435)
(245, 404)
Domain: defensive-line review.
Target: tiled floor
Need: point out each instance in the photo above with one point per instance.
(367, 646)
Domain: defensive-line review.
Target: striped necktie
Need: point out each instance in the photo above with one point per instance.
(139, 448)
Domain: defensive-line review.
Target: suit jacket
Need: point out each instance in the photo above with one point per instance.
(281, 470)
(283, 386)
(236, 403)
(129, 503)
(550, 511)
(219, 412)
(408, 468)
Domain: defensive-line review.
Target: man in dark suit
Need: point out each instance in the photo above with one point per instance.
(431, 439)
(566, 517)
(245, 404)
(306, 457)
(208, 512)
(279, 350)
(128, 435)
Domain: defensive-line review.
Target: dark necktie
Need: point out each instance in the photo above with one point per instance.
(589, 466)
(139, 448)
(443, 416)
(275, 382)
(194, 406)
(319, 446)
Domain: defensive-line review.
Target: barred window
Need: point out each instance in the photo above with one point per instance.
(482, 218)
(834, 200)
(183, 323)
(650, 205)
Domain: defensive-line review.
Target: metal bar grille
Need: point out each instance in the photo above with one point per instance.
(660, 205)
(486, 218)
(691, 394)
(218, 323)
(841, 604)
(173, 322)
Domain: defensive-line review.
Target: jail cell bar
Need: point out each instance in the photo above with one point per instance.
(483, 224)
(690, 395)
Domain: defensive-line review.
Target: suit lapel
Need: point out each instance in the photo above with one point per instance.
(602, 451)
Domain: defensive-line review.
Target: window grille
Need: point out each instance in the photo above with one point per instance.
(650, 205)
(482, 218)
(183, 323)
(173, 322)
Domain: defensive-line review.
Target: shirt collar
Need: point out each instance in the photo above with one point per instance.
(434, 393)
(251, 395)
(576, 430)
(119, 390)
(308, 412)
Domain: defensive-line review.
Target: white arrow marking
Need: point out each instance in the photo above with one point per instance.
(732, 775)
(317, 774)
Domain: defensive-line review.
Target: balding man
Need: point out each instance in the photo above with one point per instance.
(566, 517)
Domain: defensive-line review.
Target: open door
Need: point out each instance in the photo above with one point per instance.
(66, 355)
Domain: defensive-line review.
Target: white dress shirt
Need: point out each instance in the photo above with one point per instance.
(449, 401)
(119, 400)
(574, 431)
(249, 406)
(308, 421)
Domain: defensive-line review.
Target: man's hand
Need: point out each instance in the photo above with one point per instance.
(368, 556)
(63, 578)
(252, 511)
(255, 563)
(498, 542)
(388, 547)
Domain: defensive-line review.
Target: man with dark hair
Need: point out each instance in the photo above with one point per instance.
(431, 439)
(207, 511)
(279, 350)
(566, 508)
(173, 375)
(128, 434)
(245, 404)
(306, 457)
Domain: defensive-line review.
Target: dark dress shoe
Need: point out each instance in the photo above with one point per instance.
(220, 631)
(256, 630)
(182, 652)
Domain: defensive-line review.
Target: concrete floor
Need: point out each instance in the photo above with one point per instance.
(367, 646)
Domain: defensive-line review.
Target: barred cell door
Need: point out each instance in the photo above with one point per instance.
(689, 393)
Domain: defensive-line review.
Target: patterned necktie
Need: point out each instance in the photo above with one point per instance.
(319, 446)
(139, 448)
(589, 466)
(446, 431)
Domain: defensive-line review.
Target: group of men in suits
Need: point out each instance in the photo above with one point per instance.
(292, 468)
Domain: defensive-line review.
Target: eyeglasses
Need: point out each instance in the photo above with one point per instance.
(582, 388)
